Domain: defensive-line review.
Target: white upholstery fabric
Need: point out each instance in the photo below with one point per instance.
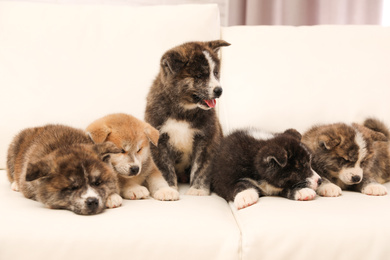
(277, 77)
(71, 64)
(353, 226)
(191, 228)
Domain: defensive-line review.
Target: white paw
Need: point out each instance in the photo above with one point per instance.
(166, 193)
(114, 201)
(246, 198)
(198, 192)
(305, 194)
(374, 189)
(329, 190)
(135, 192)
(15, 186)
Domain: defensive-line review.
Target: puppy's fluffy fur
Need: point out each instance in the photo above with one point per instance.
(180, 105)
(134, 165)
(60, 167)
(251, 163)
(350, 157)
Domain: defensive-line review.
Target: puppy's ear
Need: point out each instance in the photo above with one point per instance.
(39, 169)
(294, 133)
(329, 140)
(98, 133)
(216, 45)
(105, 149)
(272, 154)
(172, 62)
(152, 134)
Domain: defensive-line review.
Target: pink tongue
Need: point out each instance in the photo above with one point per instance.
(211, 103)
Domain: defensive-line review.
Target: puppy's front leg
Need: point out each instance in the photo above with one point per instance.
(246, 194)
(298, 194)
(328, 189)
(372, 188)
(200, 169)
(163, 156)
(114, 201)
(159, 187)
(131, 188)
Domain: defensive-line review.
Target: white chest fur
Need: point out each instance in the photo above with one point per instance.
(181, 137)
(259, 134)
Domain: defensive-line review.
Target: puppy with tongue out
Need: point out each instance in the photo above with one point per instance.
(180, 104)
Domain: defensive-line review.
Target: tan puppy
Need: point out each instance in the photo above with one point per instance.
(135, 166)
(62, 168)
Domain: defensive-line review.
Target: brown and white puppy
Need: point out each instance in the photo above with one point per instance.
(60, 167)
(134, 165)
(349, 157)
(180, 104)
(251, 163)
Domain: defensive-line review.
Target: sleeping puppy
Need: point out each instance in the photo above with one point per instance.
(350, 157)
(60, 167)
(251, 163)
(134, 165)
(180, 104)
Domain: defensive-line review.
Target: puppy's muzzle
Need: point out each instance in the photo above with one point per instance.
(134, 170)
(92, 203)
(355, 179)
(217, 92)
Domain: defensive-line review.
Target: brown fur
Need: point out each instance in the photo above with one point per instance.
(57, 165)
(180, 105)
(347, 158)
(134, 165)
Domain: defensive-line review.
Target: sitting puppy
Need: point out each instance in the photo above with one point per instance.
(60, 167)
(252, 163)
(180, 104)
(350, 157)
(134, 164)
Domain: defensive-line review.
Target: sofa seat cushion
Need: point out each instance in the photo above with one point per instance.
(191, 228)
(352, 226)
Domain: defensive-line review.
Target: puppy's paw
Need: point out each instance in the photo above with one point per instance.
(246, 198)
(114, 201)
(198, 192)
(135, 192)
(14, 186)
(166, 193)
(329, 190)
(305, 194)
(374, 189)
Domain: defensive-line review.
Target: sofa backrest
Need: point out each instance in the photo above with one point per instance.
(279, 77)
(73, 63)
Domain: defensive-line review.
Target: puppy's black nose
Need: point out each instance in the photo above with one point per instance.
(134, 170)
(217, 91)
(319, 181)
(355, 178)
(92, 203)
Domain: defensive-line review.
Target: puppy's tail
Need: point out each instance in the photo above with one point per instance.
(377, 126)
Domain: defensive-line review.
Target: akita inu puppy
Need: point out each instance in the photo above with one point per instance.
(251, 163)
(180, 104)
(134, 165)
(62, 168)
(350, 157)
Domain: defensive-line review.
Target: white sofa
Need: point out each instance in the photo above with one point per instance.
(71, 64)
